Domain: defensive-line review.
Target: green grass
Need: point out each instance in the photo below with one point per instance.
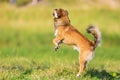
(27, 51)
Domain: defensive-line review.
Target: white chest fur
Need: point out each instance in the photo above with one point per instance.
(56, 32)
(76, 48)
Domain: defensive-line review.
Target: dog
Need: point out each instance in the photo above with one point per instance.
(68, 34)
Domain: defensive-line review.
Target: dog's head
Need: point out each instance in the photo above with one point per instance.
(58, 13)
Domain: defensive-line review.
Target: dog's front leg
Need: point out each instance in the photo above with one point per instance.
(57, 42)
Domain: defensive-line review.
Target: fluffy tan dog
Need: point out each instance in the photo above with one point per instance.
(66, 33)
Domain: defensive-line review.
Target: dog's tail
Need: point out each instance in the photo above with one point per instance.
(97, 35)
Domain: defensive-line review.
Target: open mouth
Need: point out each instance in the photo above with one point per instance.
(53, 13)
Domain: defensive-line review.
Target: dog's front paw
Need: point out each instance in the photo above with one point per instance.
(56, 48)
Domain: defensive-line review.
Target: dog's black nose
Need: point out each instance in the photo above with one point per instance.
(55, 9)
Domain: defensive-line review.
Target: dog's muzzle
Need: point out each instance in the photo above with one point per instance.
(55, 14)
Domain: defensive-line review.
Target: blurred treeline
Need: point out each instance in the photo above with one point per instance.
(95, 3)
(18, 2)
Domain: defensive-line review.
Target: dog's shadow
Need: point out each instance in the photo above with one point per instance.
(102, 74)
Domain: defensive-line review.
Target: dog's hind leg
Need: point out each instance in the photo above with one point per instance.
(57, 41)
(82, 63)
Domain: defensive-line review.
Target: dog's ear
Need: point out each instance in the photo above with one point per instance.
(66, 12)
(60, 9)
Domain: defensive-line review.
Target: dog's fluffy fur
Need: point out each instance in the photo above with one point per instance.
(66, 33)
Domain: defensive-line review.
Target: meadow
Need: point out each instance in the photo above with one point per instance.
(27, 51)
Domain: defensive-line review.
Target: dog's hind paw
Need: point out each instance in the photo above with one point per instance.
(78, 75)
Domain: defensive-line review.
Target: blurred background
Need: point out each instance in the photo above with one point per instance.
(27, 31)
